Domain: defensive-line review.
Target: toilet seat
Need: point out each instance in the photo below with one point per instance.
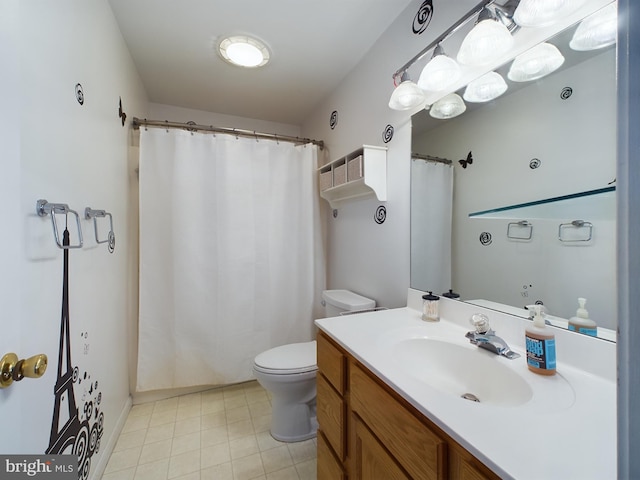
(288, 359)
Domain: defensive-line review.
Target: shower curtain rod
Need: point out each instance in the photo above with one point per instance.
(430, 158)
(191, 126)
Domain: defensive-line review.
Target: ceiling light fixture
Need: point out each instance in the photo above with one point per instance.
(440, 73)
(598, 30)
(407, 95)
(448, 106)
(487, 41)
(540, 13)
(244, 51)
(486, 88)
(535, 63)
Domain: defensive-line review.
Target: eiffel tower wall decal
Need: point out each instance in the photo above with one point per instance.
(76, 428)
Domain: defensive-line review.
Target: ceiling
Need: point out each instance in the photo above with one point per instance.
(313, 45)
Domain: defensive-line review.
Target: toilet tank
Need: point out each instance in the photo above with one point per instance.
(336, 301)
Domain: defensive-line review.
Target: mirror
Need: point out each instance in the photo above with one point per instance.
(533, 210)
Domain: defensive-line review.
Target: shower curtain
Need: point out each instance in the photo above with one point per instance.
(431, 216)
(231, 258)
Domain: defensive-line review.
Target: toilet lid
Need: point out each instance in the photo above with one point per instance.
(292, 358)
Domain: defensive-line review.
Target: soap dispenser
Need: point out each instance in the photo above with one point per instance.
(541, 345)
(581, 323)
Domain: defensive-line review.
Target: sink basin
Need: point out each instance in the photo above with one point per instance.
(470, 373)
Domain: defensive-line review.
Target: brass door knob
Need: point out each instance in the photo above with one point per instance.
(12, 369)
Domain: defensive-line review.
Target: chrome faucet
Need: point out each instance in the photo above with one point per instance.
(484, 337)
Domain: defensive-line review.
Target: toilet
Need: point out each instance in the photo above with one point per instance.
(288, 373)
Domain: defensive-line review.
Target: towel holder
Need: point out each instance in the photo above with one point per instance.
(89, 213)
(521, 224)
(576, 224)
(44, 208)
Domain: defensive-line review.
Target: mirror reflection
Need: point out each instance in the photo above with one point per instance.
(526, 183)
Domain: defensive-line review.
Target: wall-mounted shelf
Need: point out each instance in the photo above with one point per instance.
(358, 174)
(599, 203)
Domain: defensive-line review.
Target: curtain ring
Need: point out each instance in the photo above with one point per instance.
(146, 125)
(167, 123)
(256, 135)
(276, 136)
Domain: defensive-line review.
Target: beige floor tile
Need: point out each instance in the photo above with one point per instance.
(289, 473)
(127, 474)
(142, 410)
(240, 429)
(185, 443)
(260, 409)
(307, 470)
(266, 441)
(214, 436)
(212, 420)
(161, 432)
(162, 418)
(236, 414)
(233, 391)
(136, 423)
(302, 451)
(243, 447)
(188, 411)
(123, 459)
(276, 459)
(190, 476)
(247, 468)
(235, 402)
(215, 455)
(152, 452)
(153, 471)
(190, 399)
(217, 472)
(164, 405)
(190, 425)
(256, 396)
(183, 464)
(262, 424)
(130, 440)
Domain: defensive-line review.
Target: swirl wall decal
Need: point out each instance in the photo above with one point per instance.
(381, 215)
(485, 238)
(566, 93)
(79, 94)
(387, 135)
(423, 18)
(333, 120)
(535, 163)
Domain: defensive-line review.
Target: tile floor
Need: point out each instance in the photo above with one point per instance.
(220, 434)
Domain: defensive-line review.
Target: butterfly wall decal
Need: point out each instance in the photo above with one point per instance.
(466, 162)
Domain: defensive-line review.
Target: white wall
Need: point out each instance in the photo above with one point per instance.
(74, 154)
(575, 141)
(365, 257)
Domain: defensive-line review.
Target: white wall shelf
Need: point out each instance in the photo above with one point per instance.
(362, 172)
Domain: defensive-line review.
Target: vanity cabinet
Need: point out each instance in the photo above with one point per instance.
(362, 172)
(367, 431)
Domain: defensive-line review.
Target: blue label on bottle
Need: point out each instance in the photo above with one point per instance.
(541, 353)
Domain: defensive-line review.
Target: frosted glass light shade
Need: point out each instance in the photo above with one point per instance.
(448, 106)
(244, 51)
(487, 41)
(485, 88)
(406, 96)
(597, 30)
(535, 63)
(540, 13)
(440, 73)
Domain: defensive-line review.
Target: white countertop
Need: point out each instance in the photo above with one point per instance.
(539, 440)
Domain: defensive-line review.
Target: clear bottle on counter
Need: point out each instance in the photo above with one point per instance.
(430, 308)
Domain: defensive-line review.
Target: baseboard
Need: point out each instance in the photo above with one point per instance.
(99, 468)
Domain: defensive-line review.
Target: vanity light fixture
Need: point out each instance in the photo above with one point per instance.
(407, 95)
(535, 63)
(448, 106)
(244, 51)
(484, 89)
(440, 73)
(487, 41)
(598, 30)
(540, 13)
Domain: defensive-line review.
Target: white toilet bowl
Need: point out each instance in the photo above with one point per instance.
(288, 372)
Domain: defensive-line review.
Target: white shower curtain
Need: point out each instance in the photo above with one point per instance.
(231, 259)
(431, 213)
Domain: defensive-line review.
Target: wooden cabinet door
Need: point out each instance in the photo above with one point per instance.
(370, 459)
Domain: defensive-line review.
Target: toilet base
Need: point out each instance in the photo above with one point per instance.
(293, 423)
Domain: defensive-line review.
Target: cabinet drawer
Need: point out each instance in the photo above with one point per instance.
(331, 416)
(332, 363)
(418, 449)
(329, 468)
